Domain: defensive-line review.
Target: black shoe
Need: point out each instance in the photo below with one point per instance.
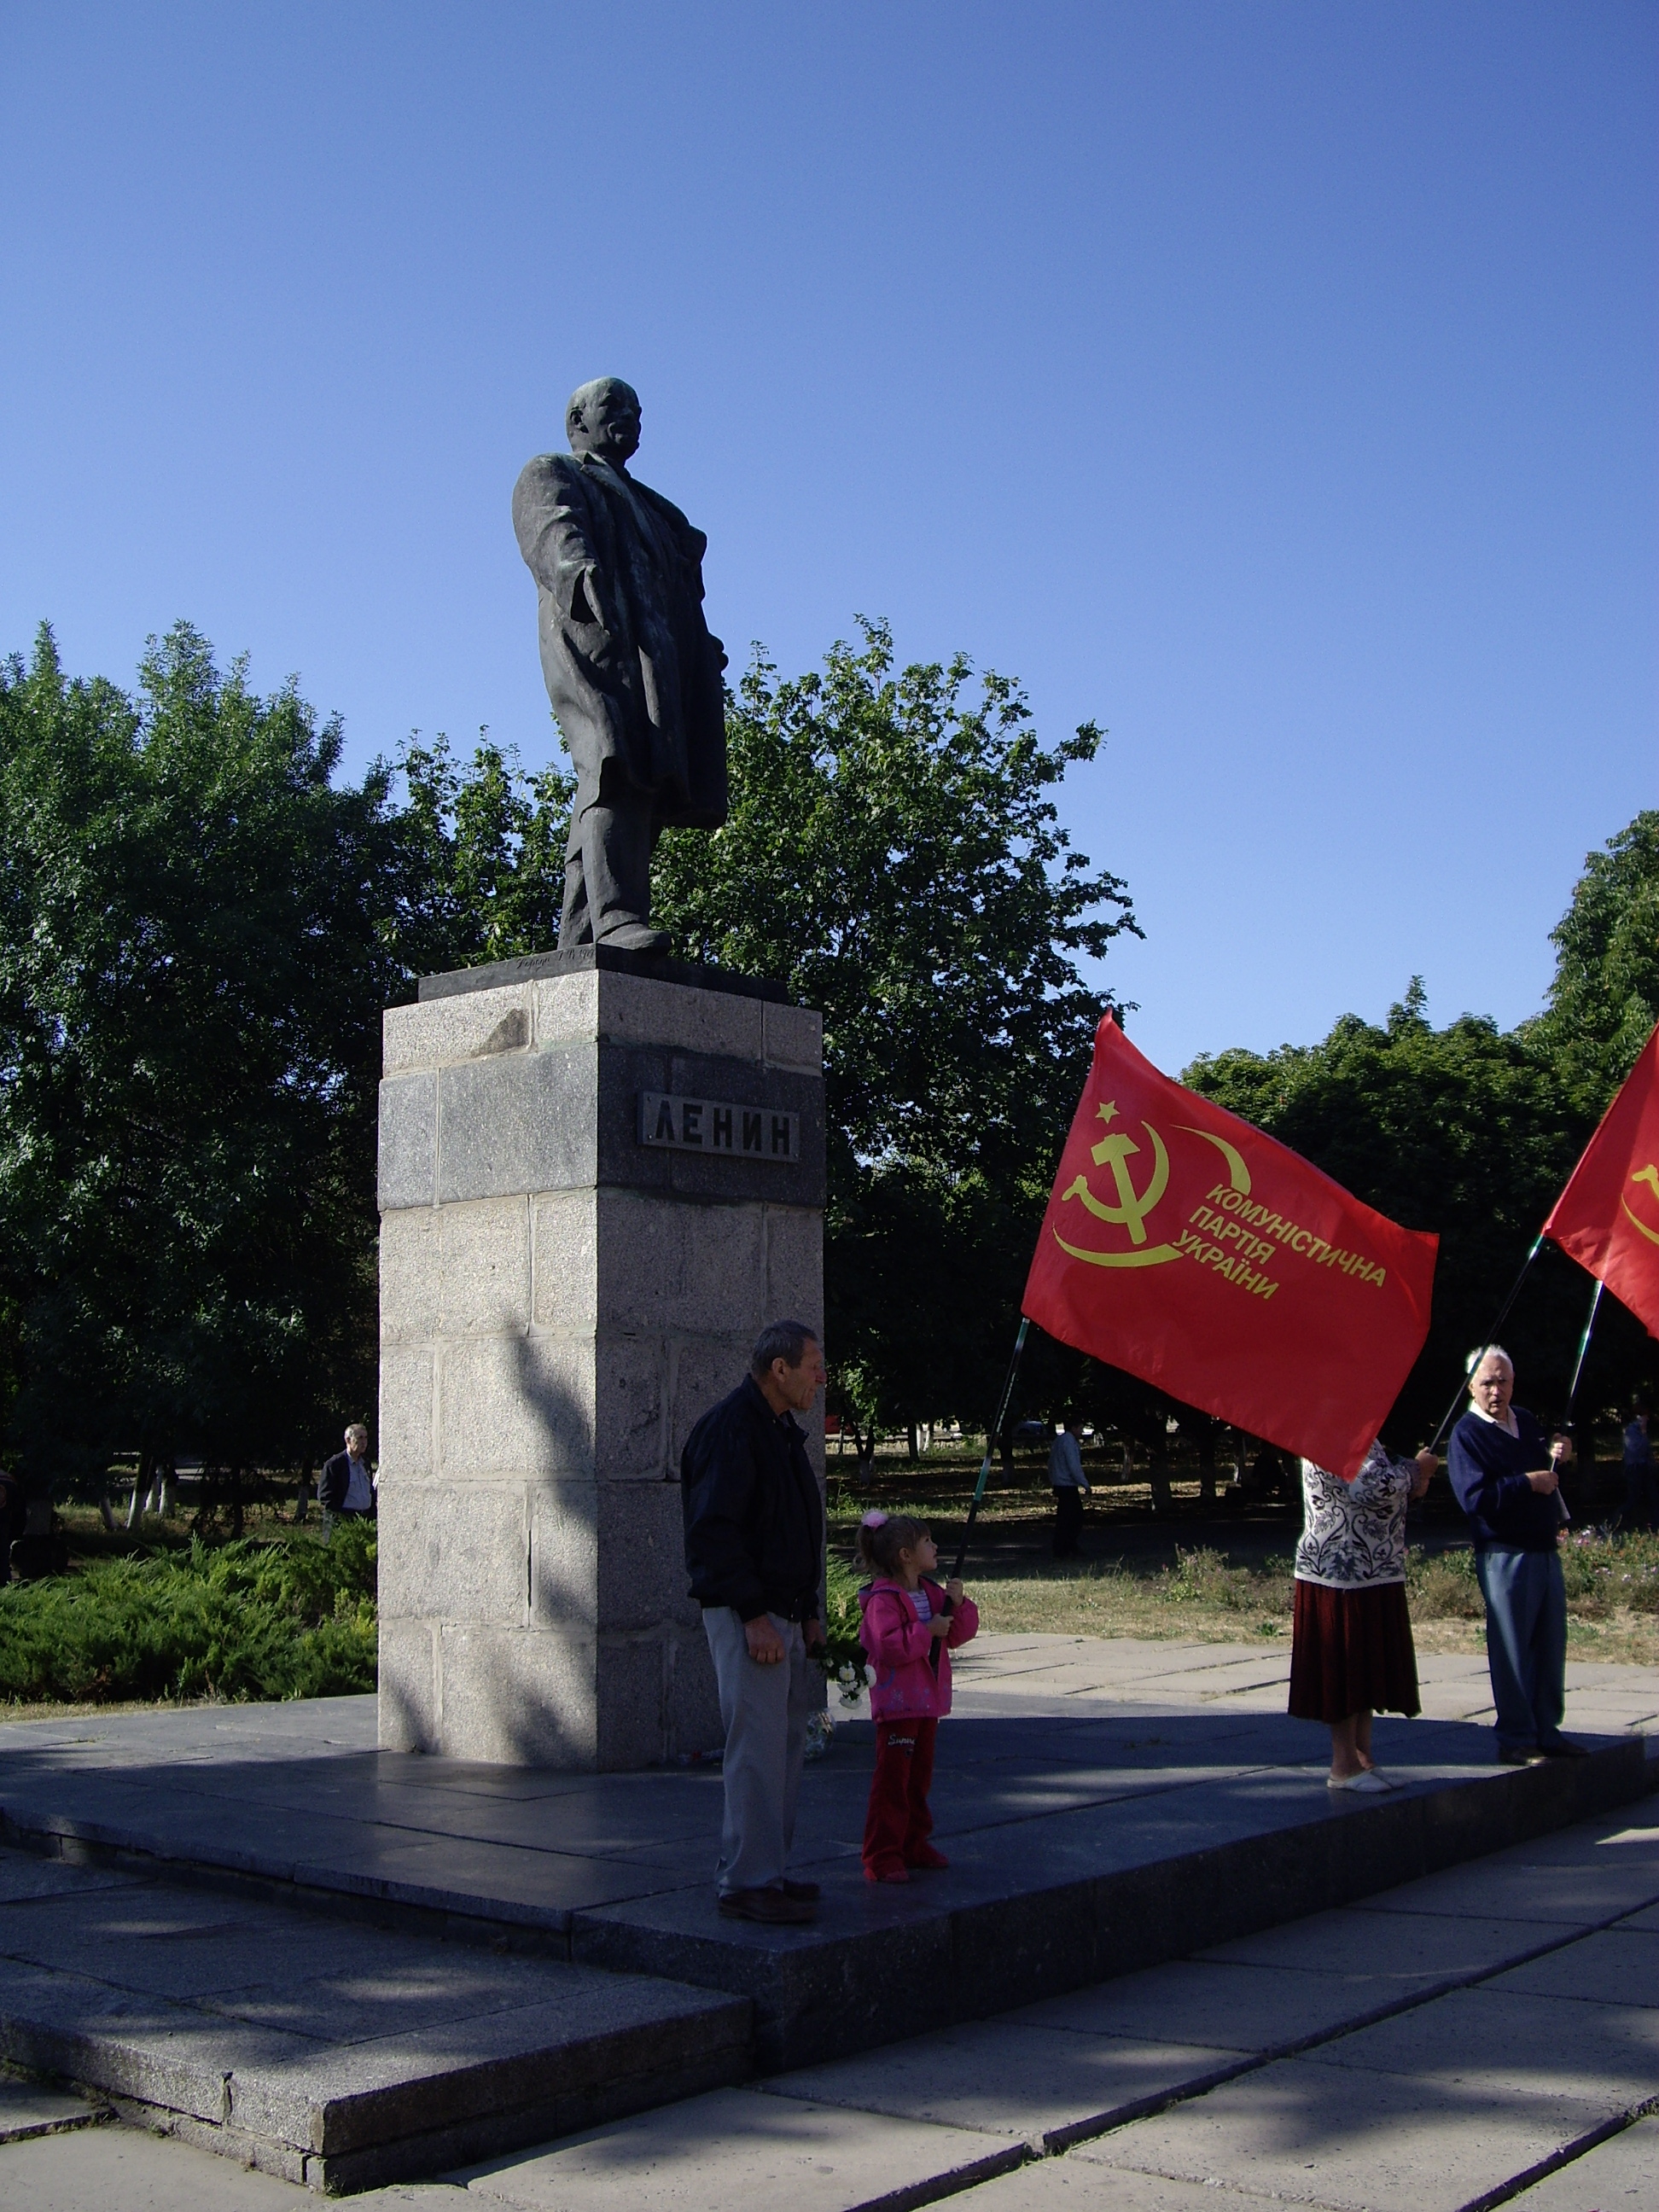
(1512, 1755)
(803, 1893)
(1563, 1748)
(773, 1908)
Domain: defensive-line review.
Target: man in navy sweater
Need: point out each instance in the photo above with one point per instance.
(1506, 1474)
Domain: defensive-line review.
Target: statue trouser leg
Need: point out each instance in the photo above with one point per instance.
(607, 882)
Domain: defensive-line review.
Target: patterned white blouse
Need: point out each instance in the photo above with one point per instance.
(1354, 1534)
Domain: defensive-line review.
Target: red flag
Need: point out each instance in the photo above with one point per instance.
(1608, 1217)
(1187, 1247)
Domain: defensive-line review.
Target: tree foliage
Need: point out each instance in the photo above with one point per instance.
(190, 985)
(893, 855)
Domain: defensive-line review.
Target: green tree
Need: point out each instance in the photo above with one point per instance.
(191, 984)
(1604, 1000)
(893, 855)
(480, 858)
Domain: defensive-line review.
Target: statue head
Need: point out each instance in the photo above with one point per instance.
(603, 417)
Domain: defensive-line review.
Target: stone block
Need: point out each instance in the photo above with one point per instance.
(564, 1556)
(703, 1369)
(565, 1271)
(407, 1169)
(794, 1265)
(629, 1443)
(694, 1725)
(408, 1685)
(516, 1406)
(516, 1698)
(640, 1010)
(519, 1122)
(406, 1413)
(668, 1264)
(456, 1270)
(632, 1684)
(794, 1038)
(641, 1580)
(439, 1030)
(567, 1008)
(454, 1551)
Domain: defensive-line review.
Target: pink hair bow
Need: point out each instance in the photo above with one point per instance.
(875, 1518)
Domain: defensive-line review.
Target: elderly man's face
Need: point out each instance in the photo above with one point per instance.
(800, 1385)
(609, 422)
(1492, 1386)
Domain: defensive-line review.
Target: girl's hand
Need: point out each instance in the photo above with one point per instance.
(953, 1589)
(939, 1626)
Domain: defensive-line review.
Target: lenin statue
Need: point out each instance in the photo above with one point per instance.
(631, 670)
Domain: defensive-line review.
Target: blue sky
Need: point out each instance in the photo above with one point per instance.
(1273, 384)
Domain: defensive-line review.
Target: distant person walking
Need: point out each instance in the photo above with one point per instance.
(1507, 1476)
(910, 1630)
(1070, 1486)
(754, 1550)
(1351, 1651)
(345, 1489)
(1641, 1476)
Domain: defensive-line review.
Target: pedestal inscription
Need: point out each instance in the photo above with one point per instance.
(561, 1296)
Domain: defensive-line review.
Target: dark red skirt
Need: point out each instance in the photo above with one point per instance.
(1352, 1652)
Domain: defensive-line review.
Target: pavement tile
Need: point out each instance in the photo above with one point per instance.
(121, 2169)
(1397, 1951)
(1222, 2006)
(737, 2150)
(1502, 1889)
(1073, 2185)
(1616, 1966)
(1620, 2175)
(1503, 2043)
(1315, 2135)
(1005, 2079)
(24, 1877)
(26, 2109)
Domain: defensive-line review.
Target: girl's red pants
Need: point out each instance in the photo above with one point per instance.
(898, 1822)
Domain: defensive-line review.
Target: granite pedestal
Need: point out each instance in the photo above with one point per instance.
(600, 1177)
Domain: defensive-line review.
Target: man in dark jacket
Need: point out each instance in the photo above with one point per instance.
(346, 1488)
(1505, 1472)
(754, 1550)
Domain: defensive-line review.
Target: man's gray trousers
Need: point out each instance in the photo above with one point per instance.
(765, 1709)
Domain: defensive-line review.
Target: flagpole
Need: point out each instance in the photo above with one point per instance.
(1461, 1392)
(1583, 1346)
(991, 1436)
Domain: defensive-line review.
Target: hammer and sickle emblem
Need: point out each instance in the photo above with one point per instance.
(1114, 1152)
(1132, 1206)
(1648, 1175)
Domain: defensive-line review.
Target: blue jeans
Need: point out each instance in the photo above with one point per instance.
(1526, 1643)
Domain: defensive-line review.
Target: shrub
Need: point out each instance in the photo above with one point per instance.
(246, 1620)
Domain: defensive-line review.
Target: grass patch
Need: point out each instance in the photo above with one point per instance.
(246, 1620)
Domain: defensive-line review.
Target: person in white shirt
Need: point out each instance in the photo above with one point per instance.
(1070, 1486)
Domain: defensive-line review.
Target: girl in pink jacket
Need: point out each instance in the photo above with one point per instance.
(909, 1635)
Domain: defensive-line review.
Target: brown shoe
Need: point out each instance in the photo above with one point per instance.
(773, 1908)
(803, 1893)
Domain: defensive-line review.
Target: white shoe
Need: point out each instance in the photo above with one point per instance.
(1371, 1783)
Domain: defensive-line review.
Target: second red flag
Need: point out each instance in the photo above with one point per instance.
(1191, 1249)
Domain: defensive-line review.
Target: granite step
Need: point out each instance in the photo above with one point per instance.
(340, 2057)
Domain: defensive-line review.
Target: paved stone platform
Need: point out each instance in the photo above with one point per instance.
(333, 2055)
(1483, 2035)
(1106, 1806)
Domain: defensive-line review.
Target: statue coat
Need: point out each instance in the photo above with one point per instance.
(643, 709)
